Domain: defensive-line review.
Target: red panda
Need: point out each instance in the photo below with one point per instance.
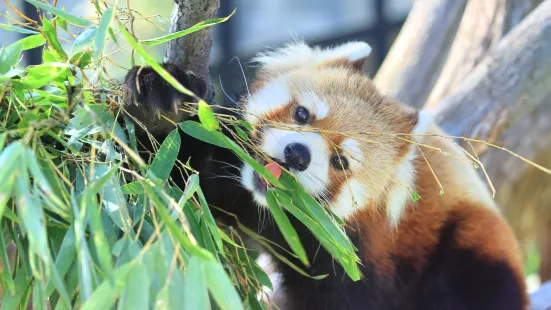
(450, 251)
(348, 146)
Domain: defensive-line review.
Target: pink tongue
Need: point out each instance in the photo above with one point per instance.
(275, 169)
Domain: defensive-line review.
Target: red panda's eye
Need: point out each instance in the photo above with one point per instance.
(339, 162)
(301, 115)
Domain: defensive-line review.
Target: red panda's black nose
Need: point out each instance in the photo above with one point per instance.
(297, 156)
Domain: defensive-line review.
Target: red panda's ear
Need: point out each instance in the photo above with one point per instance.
(299, 55)
(351, 53)
(423, 120)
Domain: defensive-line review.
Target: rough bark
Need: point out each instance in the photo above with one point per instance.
(508, 84)
(418, 54)
(507, 99)
(483, 25)
(192, 52)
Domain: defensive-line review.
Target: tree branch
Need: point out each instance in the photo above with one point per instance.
(483, 25)
(192, 52)
(418, 54)
(506, 95)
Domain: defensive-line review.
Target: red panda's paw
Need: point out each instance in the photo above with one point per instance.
(148, 95)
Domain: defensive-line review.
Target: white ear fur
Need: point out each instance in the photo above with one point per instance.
(355, 52)
(299, 55)
(424, 121)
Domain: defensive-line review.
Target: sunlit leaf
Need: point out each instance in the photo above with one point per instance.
(196, 27)
(9, 57)
(18, 29)
(101, 32)
(51, 34)
(70, 18)
(206, 116)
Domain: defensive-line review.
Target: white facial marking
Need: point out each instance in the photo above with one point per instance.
(400, 195)
(271, 97)
(405, 174)
(247, 181)
(316, 177)
(314, 104)
(352, 196)
(353, 151)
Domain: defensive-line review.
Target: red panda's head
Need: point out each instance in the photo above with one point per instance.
(317, 114)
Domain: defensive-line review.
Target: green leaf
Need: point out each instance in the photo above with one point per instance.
(166, 156)
(178, 34)
(62, 23)
(68, 17)
(100, 241)
(9, 57)
(286, 228)
(81, 59)
(195, 288)
(206, 116)
(38, 76)
(104, 23)
(221, 288)
(65, 256)
(29, 210)
(197, 131)
(105, 295)
(6, 270)
(84, 39)
(51, 34)
(192, 186)
(133, 188)
(173, 228)
(19, 29)
(22, 283)
(30, 42)
(136, 293)
(209, 219)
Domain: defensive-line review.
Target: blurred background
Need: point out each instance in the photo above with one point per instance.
(256, 26)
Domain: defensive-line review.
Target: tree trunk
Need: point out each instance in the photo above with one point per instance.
(192, 52)
(418, 54)
(483, 25)
(506, 88)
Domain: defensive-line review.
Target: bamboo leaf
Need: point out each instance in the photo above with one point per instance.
(286, 228)
(68, 17)
(166, 156)
(101, 32)
(195, 288)
(51, 34)
(136, 293)
(206, 116)
(221, 288)
(9, 57)
(106, 294)
(194, 28)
